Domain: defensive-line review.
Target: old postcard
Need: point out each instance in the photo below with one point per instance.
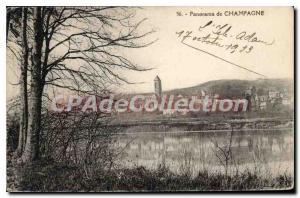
(150, 99)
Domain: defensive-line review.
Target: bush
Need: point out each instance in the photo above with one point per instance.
(12, 126)
(47, 177)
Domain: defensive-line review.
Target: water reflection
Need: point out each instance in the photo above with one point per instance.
(271, 150)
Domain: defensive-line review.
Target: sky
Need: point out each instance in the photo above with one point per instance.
(183, 65)
(180, 66)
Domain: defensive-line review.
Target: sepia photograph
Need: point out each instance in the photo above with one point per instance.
(150, 99)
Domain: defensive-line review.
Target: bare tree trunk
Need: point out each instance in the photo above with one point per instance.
(31, 151)
(23, 85)
(7, 22)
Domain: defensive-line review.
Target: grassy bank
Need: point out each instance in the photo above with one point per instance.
(59, 177)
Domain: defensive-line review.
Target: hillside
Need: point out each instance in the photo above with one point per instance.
(236, 88)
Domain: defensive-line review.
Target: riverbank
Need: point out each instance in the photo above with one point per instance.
(45, 177)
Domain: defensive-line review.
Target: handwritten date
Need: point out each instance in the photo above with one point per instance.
(220, 35)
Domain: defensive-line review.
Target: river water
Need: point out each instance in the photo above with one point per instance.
(270, 152)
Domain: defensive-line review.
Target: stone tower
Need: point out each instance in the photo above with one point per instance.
(157, 86)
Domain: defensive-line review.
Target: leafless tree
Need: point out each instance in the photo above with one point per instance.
(23, 84)
(224, 153)
(17, 19)
(79, 49)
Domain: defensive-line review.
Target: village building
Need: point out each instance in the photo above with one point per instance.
(272, 98)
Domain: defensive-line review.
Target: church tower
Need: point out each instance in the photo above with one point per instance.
(157, 86)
